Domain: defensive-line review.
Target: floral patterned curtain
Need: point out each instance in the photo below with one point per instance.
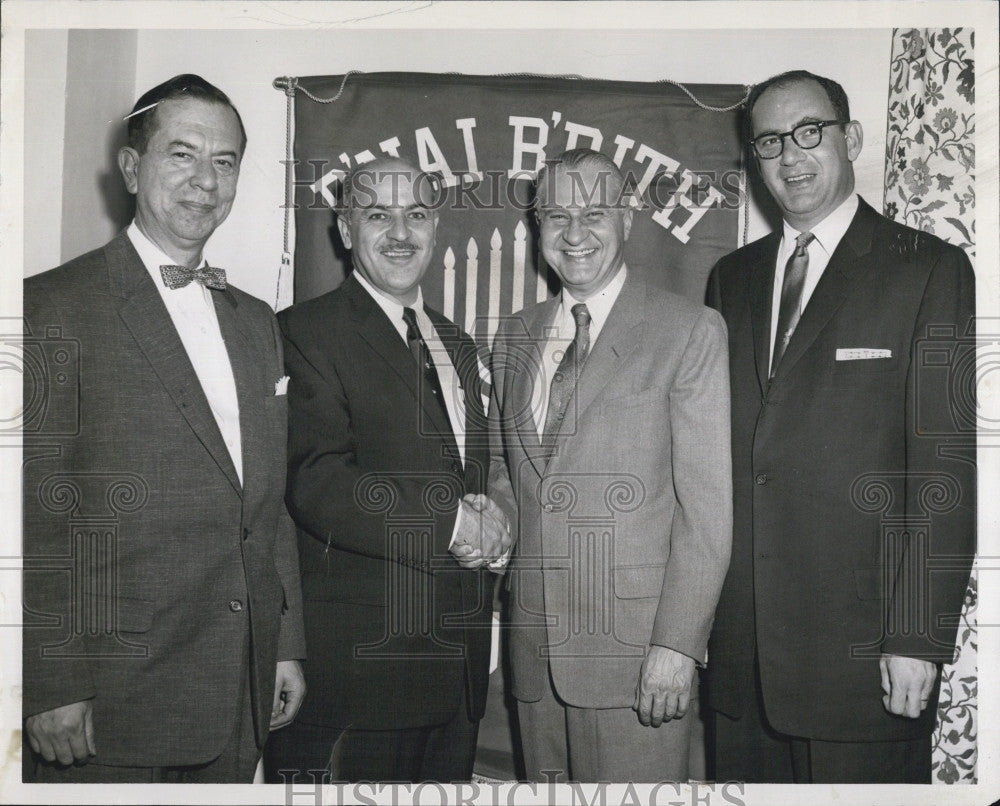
(930, 185)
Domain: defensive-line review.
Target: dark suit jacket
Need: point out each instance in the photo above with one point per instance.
(152, 576)
(623, 537)
(833, 463)
(395, 628)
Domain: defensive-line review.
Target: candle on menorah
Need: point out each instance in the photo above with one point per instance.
(449, 284)
(471, 277)
(542, 278)
(517, 295)
(493, 311)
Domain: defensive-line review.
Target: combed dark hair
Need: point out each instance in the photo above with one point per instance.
(579, 158)
(833, 90)
(142, 126)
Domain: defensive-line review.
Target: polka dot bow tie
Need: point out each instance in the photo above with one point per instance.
(180, 276)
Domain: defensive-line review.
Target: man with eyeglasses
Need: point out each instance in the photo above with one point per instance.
(854, 495)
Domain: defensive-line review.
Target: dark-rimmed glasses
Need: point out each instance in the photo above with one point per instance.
(805, 135)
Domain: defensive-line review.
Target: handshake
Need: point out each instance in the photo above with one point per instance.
(483, 535)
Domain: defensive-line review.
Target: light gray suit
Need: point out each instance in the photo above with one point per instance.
(623, 537)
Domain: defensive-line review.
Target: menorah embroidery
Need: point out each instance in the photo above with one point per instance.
(528, 285)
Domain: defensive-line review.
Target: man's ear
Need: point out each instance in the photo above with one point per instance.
(345, 230)
(855, 139)
(627, 220)
(128, 164)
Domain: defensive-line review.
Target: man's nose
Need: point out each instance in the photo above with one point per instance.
(575, 233)
(791, 152)
(204, 175)
(399, 229)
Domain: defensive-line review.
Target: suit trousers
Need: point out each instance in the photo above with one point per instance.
(236, 764)
(305, 753)
(564, 743)
(748, 749)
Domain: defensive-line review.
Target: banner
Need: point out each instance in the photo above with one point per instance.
(486, 137)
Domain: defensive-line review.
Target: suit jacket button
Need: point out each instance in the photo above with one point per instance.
(236, 605)
(761, 479)
(456, 467)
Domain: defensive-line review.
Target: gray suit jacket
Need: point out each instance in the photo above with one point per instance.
(623, 538)
(155, 582)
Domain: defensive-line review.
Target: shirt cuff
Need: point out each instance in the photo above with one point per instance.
(458, 524)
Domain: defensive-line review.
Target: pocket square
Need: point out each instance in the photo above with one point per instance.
(281, 386)
(861, 353)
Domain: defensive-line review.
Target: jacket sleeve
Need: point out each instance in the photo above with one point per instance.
(500, 488)
(702, 528)
(328, 493)
(291, 641)
(50, 678)
(935, 557)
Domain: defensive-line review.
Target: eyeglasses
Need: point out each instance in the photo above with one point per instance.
(805, 135)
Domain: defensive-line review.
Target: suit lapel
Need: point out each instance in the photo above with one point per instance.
(378, 332)
(146, 318)
(621, 334)
(833, 288)
(522, 372)
(250, 386)
(448, 336)
(759, 295)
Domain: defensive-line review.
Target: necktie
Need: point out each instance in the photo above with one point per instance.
(180, 276)
(791, 296)
(422, 356)
(564, 380)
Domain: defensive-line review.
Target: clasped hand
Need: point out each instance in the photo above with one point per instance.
(483, 532)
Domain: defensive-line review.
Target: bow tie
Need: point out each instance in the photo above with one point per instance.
(180, 276)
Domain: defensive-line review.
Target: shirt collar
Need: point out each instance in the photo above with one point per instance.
(390, 305)
(151, 255)
(831, 229)
(598, 306)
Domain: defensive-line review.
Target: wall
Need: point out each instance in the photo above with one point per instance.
(100, 89)
(244, 63)
(44, 137)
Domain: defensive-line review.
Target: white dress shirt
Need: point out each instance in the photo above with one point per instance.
(451, 387)
(828, 234)
(561, 333)
(192, 311)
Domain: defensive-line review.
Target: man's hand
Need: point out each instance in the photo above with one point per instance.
(484, 532)
(289, 689)
(664, 688)
(907, 683)
(64, 734)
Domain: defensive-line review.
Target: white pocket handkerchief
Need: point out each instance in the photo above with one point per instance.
(861, 353)
(281, 386)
